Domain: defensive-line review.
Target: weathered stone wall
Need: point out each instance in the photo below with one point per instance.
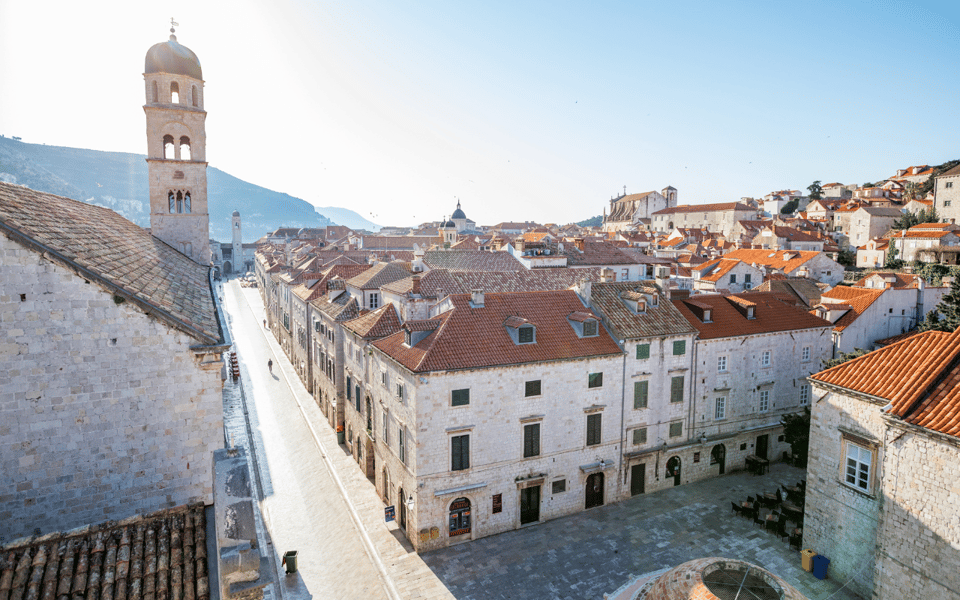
(918, 545)
(104, 411)
(947, 199)
(840, 521)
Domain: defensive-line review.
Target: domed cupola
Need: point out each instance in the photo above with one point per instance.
(458, 214)
(174, 58)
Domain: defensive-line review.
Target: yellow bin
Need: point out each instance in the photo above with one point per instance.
(806, 559)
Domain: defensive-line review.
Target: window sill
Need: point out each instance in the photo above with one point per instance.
(859, 492)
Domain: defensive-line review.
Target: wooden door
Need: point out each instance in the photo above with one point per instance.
(762, 443)
(719, 456)
(638, 476)
(673, 469)
(530, 505)
(594, 491)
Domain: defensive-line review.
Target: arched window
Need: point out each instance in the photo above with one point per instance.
(172, 199)
(194, 93)
(179, 202)
(169, 152)
(156, 93)
(184, 148)
(186, 203)
(175, 92)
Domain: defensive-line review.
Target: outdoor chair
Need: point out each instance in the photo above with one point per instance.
(756, 517)
(782, 527)
(736, 508)
(779, 497)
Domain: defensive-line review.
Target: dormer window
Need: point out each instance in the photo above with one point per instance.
(589, 328)
(408, 338)
(750, 313)
(525, 334)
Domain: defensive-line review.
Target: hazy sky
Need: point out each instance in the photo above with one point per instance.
(523, 110)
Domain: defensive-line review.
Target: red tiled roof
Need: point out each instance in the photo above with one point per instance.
(770, 315)
(784, 260)
(689, 208)
(469, 337)
(379, 275)
(859, 300)
(376, 324)
(471, 260)
(896, 338)
(920, 376)
(719, 266)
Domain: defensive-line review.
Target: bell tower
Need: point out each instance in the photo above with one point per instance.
(176, 148)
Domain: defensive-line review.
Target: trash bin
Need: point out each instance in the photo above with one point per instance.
(290, 560)
(806, 559)
(820, 564)
(341, 438)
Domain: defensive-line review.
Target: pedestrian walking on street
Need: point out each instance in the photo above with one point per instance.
(264, 323)
(270, 365)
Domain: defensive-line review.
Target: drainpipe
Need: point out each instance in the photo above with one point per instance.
(693, 384)
(623, 410)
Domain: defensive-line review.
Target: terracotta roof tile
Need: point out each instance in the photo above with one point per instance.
(920, 376)
(859, 300)
(105, 244)
(469, 337)
(162, 555)
(770, 315)
(661, 320)
(471, 260)
(783, 260)
(376, 324)
(692, 208)
(378, 276)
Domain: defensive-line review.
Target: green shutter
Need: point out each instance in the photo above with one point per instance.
(676, 389)
(460, 397)
(680, 348)
(643, 351)
(640, 390)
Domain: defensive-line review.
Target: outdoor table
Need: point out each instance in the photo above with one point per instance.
(793, 510)
(760, 464)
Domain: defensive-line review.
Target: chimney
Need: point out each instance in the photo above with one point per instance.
(476, 298)
(579, 243)
(606, 275)
(416, 285)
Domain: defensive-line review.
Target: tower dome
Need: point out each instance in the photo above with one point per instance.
(458, 214)
(236, 213)
(174, 58)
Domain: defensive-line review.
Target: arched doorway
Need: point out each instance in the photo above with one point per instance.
(673, 469)
(594, 491)
(459, 516)
(718, 456)
(402, 502)
(227, 267)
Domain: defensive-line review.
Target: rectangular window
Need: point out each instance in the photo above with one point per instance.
(748, 278)
(680, 348)
(401, 447)
(460, 397)
(764, 400)
(459, 452)
(948, 184)
(733, 277)
(349, 395)
(525, 335)
(676, 389)
(374, 300)
(805, 354)
(593, 429)
(531, 388)
(383, 377)
(640, 391)
(676, 429)
(531, 440)
(721, 412)
(722, 364)
(859, 461)
(559, 486)
(765, 358)
(595, 380)
(643, 351)
(804, 395)
(400, 391)
(639, 436)
(386, 429)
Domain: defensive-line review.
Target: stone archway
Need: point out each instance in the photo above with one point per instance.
(594, 490)
(673, 469)
(227, 267)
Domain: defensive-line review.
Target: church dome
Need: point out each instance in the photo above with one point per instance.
(458, 214)
(174, 58)
(449, 224)
(236, 213)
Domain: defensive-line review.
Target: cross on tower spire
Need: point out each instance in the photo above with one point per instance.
(173, 24)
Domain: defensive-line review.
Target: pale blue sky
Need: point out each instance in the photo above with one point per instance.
(523, 110)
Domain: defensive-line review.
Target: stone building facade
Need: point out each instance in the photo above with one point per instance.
(506, 416)
(718, 218)
(111, 400)
(882, 497)
(946, 196)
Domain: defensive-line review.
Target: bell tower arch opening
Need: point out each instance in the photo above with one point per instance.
(176, 148)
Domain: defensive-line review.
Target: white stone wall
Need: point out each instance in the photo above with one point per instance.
(104, 411)
(840, 522)
(741, 284)
(893, 313)
(919, 538)
(494, 420)
(718, 221)
(946, 198)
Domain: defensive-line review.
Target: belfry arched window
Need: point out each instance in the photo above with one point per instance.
(184, 148)
(156, 93)
(172, 199)
(194, 93)
(186, 203)
(175, 92)
(169, 151)
(179, 202)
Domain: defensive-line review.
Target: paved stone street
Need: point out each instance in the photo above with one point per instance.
(344, 556)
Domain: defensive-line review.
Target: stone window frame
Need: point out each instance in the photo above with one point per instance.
(804, 394)
(532, 446)
(720, 408)
(641, 394)
(595, 380)
(766, 358)
(461, 399)
(846, 441)
(676, 429)
(594, 429)
(805, 354)
(763, 401)
(528, 388)
(558, 486)
(722, 363)
(638, 436)
(460, 461)
(643, 354)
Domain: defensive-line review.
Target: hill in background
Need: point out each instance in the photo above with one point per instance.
(118, 180)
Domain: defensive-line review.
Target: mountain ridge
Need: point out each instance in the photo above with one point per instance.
(119, 181)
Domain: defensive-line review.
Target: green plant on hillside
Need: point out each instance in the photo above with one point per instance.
(908, 220)
(790, 207)
(946, 317)
(927, 186)
(892, 262)
(815, 189)
(844, 357)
